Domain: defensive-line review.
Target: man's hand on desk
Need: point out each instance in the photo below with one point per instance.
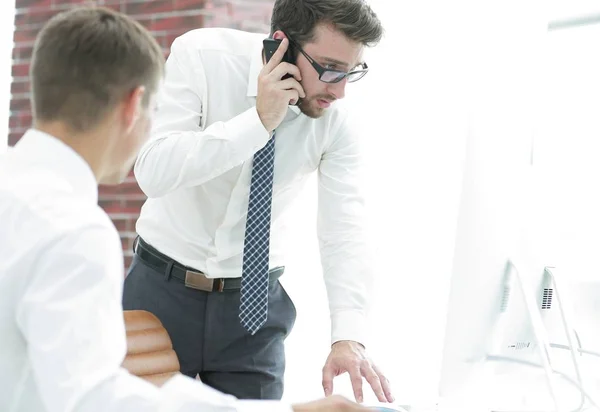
(351, 357)
(330, 404)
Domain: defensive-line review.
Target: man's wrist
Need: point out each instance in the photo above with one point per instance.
(347, 342)
(265, 124)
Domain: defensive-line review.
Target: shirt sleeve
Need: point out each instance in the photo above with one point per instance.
(181, 152)
(72, 319)
(342, 233)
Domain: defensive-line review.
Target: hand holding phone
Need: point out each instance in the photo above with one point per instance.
(271, 45)
(275, 92)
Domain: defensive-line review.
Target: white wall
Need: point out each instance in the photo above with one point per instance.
(568, 149)
(414, 123)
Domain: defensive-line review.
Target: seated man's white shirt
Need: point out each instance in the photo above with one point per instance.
(62, 334)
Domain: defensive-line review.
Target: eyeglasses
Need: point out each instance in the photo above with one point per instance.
(331, 75)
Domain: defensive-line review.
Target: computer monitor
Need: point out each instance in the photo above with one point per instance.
(568, 300)
(502, 316)
(489, 234)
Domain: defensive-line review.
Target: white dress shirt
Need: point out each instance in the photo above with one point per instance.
(196, 172)
(62, 334)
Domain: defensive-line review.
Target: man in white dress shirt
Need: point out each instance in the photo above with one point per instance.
(229, 151)
(94, 75)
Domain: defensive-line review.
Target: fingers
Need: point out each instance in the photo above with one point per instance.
(293, 97)
(356, 380)
(328, 376)
(277, 56)
(292, 84)
(374, 380)
(286, 68)
(385, 384)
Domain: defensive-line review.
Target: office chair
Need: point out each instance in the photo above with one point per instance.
(150, 353)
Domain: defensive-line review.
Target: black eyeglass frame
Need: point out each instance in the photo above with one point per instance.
(339, 74)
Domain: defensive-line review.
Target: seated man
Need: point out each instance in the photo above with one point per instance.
(62, 338)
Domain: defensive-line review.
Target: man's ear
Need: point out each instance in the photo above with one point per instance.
(279, 35)
(133, 107)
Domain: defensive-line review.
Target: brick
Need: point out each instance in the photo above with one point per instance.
(13, 122)
(124, 243)
(122, 224)
(145, 21)
(119, 196)
(25, 119)
(128, 187)
(21, 4)
(19, 87)
(189, 21)
(148, 7)
(25, 35)
(14, 137)
(20, 70)
(33, 17)
(160, 39)
(23, 51)
(117, 5)
(127, 239)
(133, 205)
(110, 206)
(166, 39)
(19, 104)
(186, 5)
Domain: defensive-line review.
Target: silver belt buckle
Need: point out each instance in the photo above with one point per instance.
(199, 281)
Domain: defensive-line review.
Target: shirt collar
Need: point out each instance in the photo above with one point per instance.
(46, 150)
(256, 65)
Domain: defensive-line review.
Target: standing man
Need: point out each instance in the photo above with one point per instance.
(94, 75)
(234, 140)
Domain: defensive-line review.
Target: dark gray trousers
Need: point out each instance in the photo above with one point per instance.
(207, 335)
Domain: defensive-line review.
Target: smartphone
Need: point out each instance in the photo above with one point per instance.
(271, 46)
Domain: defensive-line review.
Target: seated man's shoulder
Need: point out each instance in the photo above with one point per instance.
(47, 203)
(43, 215)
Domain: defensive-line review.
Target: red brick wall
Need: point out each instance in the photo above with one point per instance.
(166, 19)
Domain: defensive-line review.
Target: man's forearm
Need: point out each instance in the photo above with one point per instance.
(190, 158)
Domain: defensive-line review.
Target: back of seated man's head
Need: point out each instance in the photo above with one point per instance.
(94, 75)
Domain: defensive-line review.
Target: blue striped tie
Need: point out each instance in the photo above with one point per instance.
(255, 269)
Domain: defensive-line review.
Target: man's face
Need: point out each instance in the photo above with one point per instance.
(130, 141)
(332, 50)
(139, 136)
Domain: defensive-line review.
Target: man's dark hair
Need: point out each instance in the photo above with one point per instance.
(354, 18)
(86, 60)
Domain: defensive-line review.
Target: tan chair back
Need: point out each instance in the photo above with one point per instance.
(150, 353)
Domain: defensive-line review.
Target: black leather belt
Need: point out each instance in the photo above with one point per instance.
(191, 277)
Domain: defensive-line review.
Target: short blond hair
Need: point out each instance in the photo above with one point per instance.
(88, 59)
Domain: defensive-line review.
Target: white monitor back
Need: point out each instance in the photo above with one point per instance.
(489, 233)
